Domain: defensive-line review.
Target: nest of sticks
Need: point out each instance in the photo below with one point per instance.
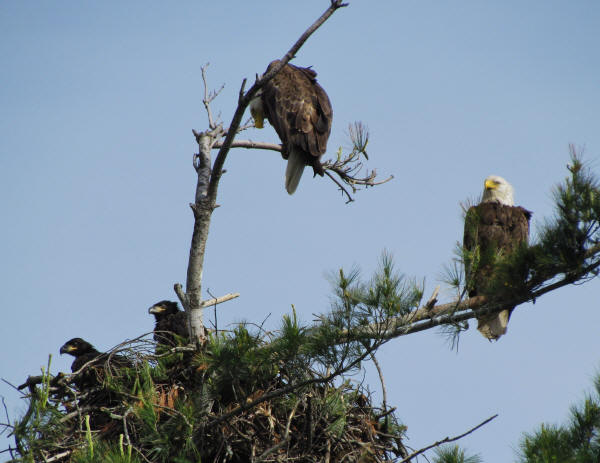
(170, 407)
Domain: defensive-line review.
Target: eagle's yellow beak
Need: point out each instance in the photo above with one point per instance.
(67, 348)
(259, 119)
(156, 309)
(490, 185)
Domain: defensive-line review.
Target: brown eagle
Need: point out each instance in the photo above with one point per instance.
(300, 112)
(493, 228)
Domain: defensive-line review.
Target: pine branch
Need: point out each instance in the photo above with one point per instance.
(459, 310)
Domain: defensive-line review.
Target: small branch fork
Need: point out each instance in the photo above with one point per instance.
(208, 98)
(347, 170)
(447, 440)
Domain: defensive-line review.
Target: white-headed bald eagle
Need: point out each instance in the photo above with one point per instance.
(493, 228)
(300, 112)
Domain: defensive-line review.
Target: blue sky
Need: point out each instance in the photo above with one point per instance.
(97, 104)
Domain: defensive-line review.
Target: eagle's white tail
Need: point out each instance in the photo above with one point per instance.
(492, 327)
(293, 171)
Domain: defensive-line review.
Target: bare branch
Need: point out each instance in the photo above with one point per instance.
(220, 300)
(209, 97)
(180, 294)
(447, 439)
(6, 411)
(383, 389)
(341, 187)
(335, 4)
(249, 144)
(246, 125)
(433, 299)
(349, 168)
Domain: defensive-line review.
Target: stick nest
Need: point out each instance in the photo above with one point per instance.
(179, 406)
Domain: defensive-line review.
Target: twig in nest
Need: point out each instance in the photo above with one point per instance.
(59, 456)
(286, 436)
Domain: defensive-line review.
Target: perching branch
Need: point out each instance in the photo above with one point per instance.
(249, 144)
(460, 310)
(219, 300)
(447, 440)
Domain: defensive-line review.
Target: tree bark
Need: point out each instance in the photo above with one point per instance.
(203, 208)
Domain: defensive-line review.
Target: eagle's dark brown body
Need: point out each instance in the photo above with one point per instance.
(173, 323)
(300, 112)
(493, 227)
(497, 229)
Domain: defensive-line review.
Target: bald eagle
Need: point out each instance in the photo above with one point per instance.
(170, 321)
(300, 112)
(493, 228)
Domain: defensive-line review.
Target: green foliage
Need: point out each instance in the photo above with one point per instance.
(565, 241)
(236, 364)
(454, 454)
(334, 408)
(566, 244)
(41, 426)
(105, 452)
(360, 315)
(576, 442)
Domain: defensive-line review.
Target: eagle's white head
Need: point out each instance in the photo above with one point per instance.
(257, 111)
(498, 189)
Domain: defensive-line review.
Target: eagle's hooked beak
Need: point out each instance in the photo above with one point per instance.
(67, 348)
(490, 185)
(156, 309)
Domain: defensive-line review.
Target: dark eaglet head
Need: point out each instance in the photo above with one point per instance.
(77, 347)
(163, 308)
